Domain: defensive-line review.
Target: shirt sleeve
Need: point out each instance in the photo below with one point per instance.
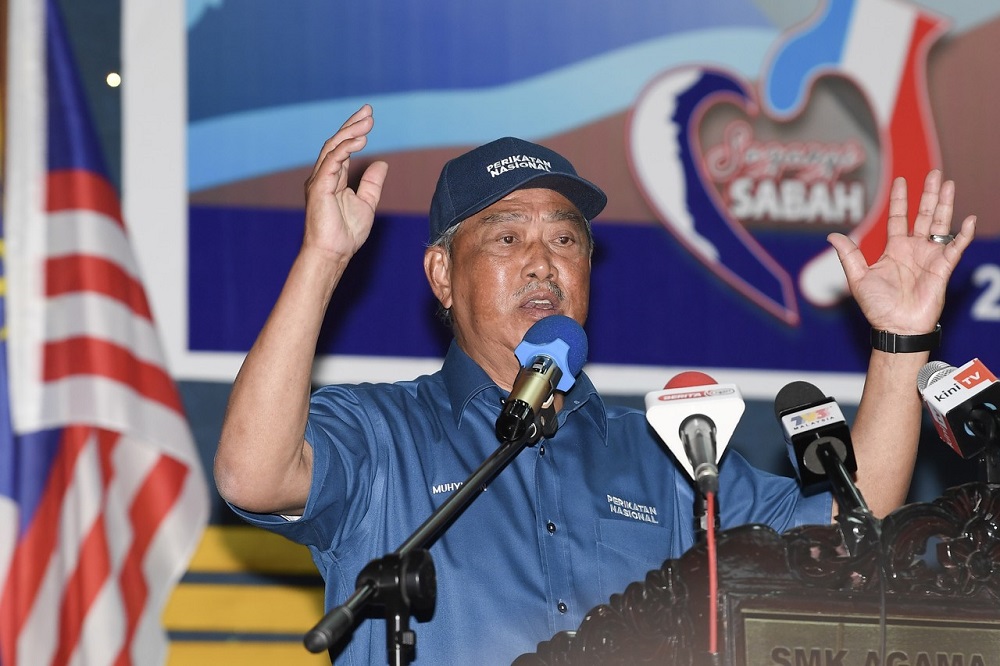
(748, 495)
(348, 461)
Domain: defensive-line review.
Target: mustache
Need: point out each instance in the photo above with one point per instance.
(535, 285)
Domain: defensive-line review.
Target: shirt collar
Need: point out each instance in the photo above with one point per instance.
(464, 380)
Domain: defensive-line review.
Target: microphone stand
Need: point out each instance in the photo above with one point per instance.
(985, 426)
(405, 578)
(858, 524)
(990, 464)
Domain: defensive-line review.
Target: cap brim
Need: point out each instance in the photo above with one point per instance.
(589, 199)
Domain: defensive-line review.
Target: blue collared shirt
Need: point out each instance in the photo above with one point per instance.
(568, 523)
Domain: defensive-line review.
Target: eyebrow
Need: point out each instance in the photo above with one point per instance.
(558, 215)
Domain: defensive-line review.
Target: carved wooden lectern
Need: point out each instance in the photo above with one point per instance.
(923, 591)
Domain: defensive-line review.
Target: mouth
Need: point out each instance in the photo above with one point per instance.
(542, 299)
(539, 304)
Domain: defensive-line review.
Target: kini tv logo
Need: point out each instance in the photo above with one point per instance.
(974, 375)
(963, 405)
(965, 380)
(719, 157)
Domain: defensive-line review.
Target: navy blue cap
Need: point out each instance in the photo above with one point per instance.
(481, 177)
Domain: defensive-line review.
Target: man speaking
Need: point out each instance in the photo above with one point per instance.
(352, 470)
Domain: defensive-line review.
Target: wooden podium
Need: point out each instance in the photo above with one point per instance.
(925, 591)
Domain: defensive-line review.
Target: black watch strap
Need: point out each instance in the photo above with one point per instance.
(904, 344)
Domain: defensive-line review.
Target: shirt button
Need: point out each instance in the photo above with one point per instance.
(562, 607)
(551, 527)
(541, 449)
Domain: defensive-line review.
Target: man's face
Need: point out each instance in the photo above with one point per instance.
(524, 258)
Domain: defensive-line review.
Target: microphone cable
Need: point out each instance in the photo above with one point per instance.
(713, 577)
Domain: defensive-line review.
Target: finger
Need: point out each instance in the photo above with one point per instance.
(330, 175)
(342, 172)
(953, 250)
(331, 172)
(851, 258)
(370, 187)
(365, 110)
(350, 138)
(897, 224)
(359, 123)
(928, 203)
(334, 168)
(941, 222)
(347, 141)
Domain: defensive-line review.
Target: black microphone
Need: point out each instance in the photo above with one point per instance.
(809, 419)
(963, 402)
(820, 442)
(552, 354)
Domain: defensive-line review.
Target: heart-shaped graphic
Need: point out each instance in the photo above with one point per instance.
(666, 161)
(886, 68)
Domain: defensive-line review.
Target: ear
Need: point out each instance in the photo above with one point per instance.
(437, 267)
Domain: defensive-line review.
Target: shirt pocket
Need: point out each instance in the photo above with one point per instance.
(626, 550)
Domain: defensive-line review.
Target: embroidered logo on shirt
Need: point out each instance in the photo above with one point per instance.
(642, 512)
(446, 487)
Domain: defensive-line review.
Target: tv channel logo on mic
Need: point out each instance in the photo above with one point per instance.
(687, 394)
(946, 397)
(813, 417)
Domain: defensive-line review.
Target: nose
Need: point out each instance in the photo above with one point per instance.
(539, 262)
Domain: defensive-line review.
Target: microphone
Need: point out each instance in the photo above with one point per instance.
(820, 442)
(809, 419)
(696, 417)
(552, 354)
(963, 403)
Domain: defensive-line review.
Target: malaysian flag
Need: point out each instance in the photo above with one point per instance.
(102, 495)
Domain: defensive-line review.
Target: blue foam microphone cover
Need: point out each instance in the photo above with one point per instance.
(560, 338)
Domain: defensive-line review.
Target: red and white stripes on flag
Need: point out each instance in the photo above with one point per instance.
(102, 495)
